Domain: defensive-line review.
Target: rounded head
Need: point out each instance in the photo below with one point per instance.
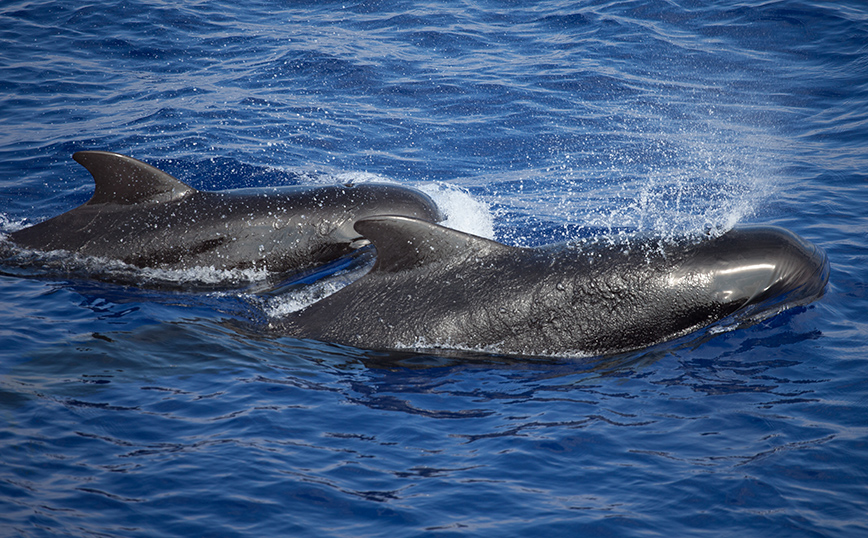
(755, 265)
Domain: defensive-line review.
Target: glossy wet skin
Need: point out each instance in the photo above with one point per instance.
(147, 218)
(437, 288)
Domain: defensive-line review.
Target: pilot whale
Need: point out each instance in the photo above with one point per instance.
(145, 217)
(433, 287)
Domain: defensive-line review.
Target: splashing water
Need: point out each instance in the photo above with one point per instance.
(655, 176)
(704, 183)
(463, 212)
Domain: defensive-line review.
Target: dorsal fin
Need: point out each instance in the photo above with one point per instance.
(123, 180)
(404, 242)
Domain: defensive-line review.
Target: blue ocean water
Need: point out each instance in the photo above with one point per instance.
(139, 411)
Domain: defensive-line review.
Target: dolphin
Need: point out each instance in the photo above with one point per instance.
(432, 288)
(147, 218)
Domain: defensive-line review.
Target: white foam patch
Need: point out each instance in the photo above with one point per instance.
(463, 212)
(293, 301)
(287, 302)
(204, 275)
(361, 177)
(422, 344)
(72, 264)
(8, 225)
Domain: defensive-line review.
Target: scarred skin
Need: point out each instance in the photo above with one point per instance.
(433, 287)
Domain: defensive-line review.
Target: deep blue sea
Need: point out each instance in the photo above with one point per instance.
(145, 411)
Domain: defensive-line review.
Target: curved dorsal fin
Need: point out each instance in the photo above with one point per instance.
(123, 180)
(405, 243)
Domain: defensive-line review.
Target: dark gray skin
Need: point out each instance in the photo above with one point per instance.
(147, 218)
(433, 287)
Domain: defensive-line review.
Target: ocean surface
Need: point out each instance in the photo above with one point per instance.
(144, 410)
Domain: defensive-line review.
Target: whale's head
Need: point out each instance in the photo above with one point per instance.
(761, 267)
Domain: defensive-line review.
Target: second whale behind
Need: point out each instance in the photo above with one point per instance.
(146, 218)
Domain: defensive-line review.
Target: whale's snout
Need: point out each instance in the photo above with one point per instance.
(764, 265)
